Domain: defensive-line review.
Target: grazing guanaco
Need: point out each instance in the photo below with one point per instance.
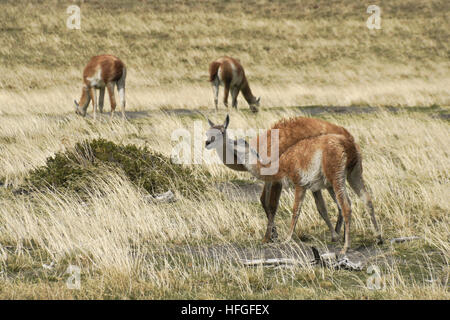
(313, 154)
(230, 73)
(100, 72)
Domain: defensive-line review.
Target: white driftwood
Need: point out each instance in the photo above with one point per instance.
(49, 266)
(403, 239)
(269, 262)
(328, 259)
(163, 197)
(346, 264)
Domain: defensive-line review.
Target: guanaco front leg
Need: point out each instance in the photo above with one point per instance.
(234, 95)
(93, 94)
(101, 99)
(269, 199)
(298, 199)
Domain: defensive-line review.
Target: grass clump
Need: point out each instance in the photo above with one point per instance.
(73, 169)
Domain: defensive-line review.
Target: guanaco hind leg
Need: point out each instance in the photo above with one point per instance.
(121, 90)
(112, 98)
(345, 205)
(234, 95)
(215, 87)
(338, 226)
(321, 207)
(226, 92)
(356, 182)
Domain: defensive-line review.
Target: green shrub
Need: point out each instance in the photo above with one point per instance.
(145, 168)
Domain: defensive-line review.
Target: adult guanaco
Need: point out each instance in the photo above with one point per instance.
(100, 72)
(229, 72)
(313, 154)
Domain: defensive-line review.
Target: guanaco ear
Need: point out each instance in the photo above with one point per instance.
(76, 103)
(227, 122)
(211, 124)
(257, 100)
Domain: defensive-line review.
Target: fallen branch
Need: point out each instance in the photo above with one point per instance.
(404, 239)
(163, 197)
(270, 262)
(328, 260)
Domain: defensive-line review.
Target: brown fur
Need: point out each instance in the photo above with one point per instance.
(213, 69)
(299, 140)
(335, 148)
(222, 69)
(340, 160)
(112, 70)
(292, 130)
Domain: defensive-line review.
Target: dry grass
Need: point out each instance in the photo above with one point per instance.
(121, 239)
(295, 54)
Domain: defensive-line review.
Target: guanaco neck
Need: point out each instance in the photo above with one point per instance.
(228, 152)
(250, 160)
(84, 100)
(247, 92)
(245, 158)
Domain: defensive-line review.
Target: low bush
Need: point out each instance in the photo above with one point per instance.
(152, 171)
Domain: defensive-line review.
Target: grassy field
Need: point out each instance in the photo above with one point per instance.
(296, 54)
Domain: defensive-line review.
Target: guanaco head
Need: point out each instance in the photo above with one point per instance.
(79, 110)
(255, 104)
(216, 134)
(82, 105)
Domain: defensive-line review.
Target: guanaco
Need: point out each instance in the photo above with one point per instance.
(313, 154)
(229, 72)
(100, 72)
